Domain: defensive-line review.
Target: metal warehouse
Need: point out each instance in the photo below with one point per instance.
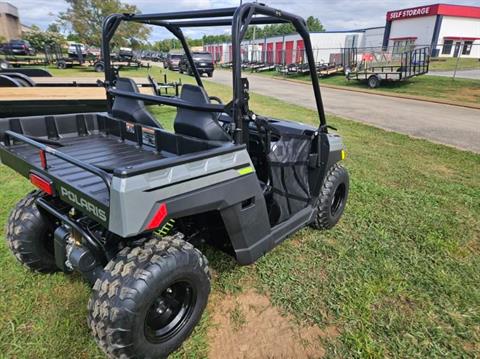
(450, 30)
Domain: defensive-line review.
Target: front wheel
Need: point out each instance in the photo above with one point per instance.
(149, 299)
(333, 198)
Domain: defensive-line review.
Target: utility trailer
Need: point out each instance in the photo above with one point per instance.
(134, 63)
(329, 69)
(124, 58)
(264, 67)
(55, 55)
(293, 69)
(124, 201)
(8, 60)
(409, 64)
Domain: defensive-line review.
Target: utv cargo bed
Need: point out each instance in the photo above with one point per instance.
(84, 151)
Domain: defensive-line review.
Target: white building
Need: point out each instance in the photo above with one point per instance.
(290, 48)
(450, 30)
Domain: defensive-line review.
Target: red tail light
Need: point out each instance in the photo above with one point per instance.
(158, 218)
(41, 183)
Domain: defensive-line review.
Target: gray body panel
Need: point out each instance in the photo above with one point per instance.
(133, 199)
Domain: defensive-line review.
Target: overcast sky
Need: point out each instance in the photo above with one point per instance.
(334, 15)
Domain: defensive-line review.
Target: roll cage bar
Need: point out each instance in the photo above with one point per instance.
(239, 18)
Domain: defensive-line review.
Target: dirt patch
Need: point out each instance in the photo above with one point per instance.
(470, 94)
(248, 326)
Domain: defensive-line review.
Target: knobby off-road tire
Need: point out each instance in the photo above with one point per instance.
(30, 235)
(333, 198)
(139, 286)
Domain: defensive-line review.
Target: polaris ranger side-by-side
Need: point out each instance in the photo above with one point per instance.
(123, 201)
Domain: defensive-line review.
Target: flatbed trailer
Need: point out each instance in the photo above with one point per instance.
(265, 67)
(325, 70)
(19, 61)
(412, 63)
(293, 69)
(52, 100)
(133, 63)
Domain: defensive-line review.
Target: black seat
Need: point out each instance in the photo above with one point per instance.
(130, 109)
(199, 124)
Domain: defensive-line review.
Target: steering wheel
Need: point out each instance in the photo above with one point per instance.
(156, 90)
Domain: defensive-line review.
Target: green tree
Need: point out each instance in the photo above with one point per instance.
(54, 27)
(39, 39)
(314, 24)
(85, 18)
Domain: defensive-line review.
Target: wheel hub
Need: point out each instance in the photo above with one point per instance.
(169, 312)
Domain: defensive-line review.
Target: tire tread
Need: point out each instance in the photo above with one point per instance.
(112, 292)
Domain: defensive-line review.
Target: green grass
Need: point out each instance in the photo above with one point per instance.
(398, 276)
(435, 87)
(449, 64)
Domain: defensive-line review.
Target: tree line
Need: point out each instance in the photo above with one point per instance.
(82, 22)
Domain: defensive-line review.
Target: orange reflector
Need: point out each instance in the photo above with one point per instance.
(41, 183)
(158, 217)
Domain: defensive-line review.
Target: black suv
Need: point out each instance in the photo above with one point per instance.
(203, 62)
(18, 47)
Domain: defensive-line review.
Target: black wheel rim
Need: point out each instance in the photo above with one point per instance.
(170, 312)
(338, 199)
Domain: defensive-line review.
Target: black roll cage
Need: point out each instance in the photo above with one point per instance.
(239, 18)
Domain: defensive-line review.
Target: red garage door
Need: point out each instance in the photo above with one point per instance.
(270, 52)
(288, 52)
(260, 53)
(220, 53)
(278, 52)
(300, 51)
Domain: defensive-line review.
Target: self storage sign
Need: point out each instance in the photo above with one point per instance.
(414, 12)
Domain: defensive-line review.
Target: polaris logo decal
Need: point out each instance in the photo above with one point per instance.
(84, 204)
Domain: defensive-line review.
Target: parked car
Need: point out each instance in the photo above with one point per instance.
(172, 61)
(18, 47)
(203, 62)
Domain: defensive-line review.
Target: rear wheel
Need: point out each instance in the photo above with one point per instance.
(210, 74)
(61, 64)
(30, 235)
(149, 299)
(373, 81)
(333, 198)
